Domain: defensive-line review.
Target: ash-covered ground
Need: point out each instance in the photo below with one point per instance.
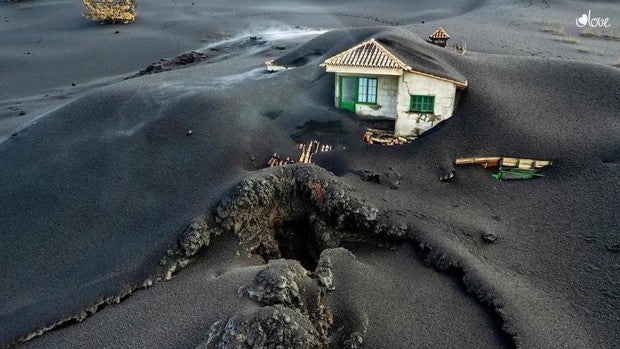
(120, 228)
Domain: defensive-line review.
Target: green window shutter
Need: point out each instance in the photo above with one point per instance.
(430, 104)
(415, 103)
(422, 104)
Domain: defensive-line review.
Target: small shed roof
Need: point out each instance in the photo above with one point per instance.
(440, 33)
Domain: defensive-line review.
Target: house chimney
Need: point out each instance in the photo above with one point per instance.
(439, 37)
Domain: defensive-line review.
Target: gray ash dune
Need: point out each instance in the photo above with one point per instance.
(422, 59)
(327, 308)
(98, 191)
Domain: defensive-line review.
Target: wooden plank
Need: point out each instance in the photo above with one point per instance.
(494, 161)
(477, 160)
(524, 163)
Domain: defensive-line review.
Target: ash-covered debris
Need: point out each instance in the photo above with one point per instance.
(277, 284)
(391, 179)
(369, 176)
(173, 63)
(253, 41)
(489, 236)
(192, 57)
(274, 326)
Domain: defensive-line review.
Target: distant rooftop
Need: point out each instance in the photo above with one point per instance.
(440, 33)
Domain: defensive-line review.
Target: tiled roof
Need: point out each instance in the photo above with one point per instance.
(398, 51)
(439, 34)
(367, 54)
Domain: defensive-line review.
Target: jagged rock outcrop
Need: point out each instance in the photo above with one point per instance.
(269, 327)
(291, 315)
(197, 235)
(265, 209)
(277, 284)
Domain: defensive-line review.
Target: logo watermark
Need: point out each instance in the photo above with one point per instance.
(588, 20)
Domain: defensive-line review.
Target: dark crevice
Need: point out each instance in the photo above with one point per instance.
(299, 240)
(296, 240)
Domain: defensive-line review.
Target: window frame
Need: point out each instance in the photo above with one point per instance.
(367, 89)
(422, 100)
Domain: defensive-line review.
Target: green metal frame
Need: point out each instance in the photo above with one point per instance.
(421, 100)
(351, 105)
(516, 173)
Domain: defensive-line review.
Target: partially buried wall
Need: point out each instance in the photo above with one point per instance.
(412, 124)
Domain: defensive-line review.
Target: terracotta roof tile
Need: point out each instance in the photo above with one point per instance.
(367, 54)
(396, 51)
(440, 33)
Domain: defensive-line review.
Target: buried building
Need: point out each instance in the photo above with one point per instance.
(390, 79)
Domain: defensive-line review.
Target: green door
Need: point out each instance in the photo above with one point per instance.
(348, 93)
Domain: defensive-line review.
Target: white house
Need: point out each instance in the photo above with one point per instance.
(387, 79)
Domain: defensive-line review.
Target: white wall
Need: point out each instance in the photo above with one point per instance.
(412, 124)
(394, 97)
